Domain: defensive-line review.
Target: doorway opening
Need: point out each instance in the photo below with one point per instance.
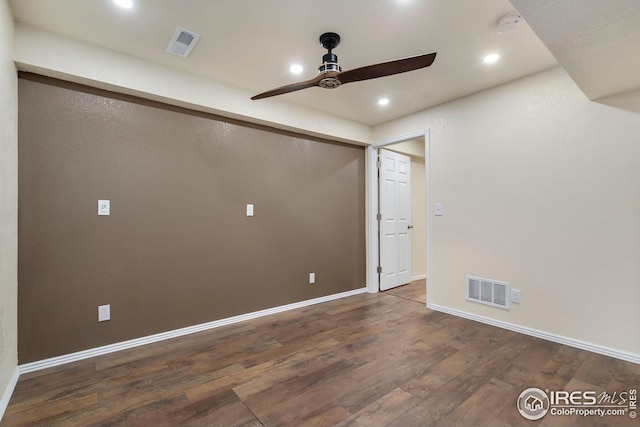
(416, 149)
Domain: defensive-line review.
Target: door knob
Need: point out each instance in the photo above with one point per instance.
(409, 226)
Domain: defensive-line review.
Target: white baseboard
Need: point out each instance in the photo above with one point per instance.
(6, 395)
(111, 348)
(572, 342)
(418, 277)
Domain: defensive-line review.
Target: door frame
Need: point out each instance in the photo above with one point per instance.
(373, 284)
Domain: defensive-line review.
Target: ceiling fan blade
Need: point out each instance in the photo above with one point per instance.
(387, 68)
(288, 88)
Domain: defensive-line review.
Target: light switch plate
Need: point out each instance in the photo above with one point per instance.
(438, 209)
(249, 210)
(312, 277)
(104, 207)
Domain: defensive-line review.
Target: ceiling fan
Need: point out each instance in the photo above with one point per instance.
(330, 74)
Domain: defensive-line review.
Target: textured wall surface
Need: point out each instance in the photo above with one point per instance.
(540, 189)
(177, 249)
(8, 202)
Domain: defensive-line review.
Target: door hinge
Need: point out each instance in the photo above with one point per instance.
(378, 164)
(379, 217)
(379, 270)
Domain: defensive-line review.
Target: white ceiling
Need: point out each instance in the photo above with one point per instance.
(596, 41)
(249, 44)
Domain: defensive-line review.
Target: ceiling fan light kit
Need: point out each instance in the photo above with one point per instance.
(331, 76)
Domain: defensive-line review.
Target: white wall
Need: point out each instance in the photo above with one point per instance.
(413, 147)
(8, 208)
(541, 188)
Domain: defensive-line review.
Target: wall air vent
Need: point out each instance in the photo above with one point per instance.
(489, 292)
(182, 42)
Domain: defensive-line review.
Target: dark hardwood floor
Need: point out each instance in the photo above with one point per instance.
(414, 291)
(368, 360)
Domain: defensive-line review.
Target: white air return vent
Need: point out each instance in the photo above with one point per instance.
(182, 42)
(489, 292)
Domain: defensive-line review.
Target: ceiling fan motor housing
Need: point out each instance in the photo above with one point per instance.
(329, 63)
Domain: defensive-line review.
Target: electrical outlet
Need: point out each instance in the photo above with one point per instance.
(312, 277)
(104, 312)
(515, 296)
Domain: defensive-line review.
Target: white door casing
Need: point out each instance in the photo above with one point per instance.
(395, 219)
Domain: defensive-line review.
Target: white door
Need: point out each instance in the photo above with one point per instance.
(395, 219)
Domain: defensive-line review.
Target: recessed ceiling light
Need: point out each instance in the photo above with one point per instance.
(492, 57)
(125, 4)
(383, 101)
(296, 68)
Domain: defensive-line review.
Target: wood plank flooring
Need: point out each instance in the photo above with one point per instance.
(414, 291)
(368, 360)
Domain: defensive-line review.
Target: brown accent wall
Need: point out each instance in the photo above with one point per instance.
(177, 249)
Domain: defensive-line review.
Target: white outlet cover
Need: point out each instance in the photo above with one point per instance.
(249, 210)
(104, 312)
(312, 277)
(515, 296)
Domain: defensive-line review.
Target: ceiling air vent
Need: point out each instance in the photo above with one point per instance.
(489, 292)
(182, 42)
